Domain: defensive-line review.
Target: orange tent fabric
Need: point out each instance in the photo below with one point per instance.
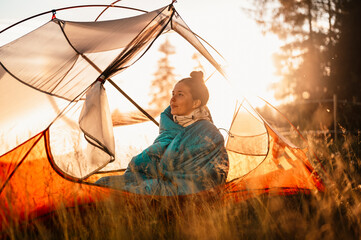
(31, 185)
(284, 170)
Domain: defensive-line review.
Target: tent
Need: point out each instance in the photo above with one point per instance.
(52, 99)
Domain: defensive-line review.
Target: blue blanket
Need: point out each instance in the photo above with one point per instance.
(181, 161)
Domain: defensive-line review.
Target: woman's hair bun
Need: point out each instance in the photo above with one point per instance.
(197, 86)
(197, 75)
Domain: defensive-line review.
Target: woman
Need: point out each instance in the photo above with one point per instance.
(187, 157)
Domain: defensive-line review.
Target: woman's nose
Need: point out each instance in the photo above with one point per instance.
(172, 99)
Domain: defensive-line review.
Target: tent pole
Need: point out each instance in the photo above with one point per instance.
(72, 7)
(120, 90)
(132, 101)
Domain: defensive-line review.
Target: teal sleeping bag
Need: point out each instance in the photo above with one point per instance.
(181, 161)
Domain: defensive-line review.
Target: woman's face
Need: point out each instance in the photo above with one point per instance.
(182, 102)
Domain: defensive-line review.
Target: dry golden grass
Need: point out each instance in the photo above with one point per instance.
(335, 214)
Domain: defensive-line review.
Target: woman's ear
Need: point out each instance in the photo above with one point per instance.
(196, 103)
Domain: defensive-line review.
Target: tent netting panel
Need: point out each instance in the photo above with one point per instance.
(263, 160)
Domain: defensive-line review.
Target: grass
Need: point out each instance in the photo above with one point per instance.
(335, 214)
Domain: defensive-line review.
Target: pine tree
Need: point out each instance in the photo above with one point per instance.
(164, 78)
(300, 60)
(197, 58)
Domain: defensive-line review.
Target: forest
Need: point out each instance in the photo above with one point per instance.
(319, 63)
